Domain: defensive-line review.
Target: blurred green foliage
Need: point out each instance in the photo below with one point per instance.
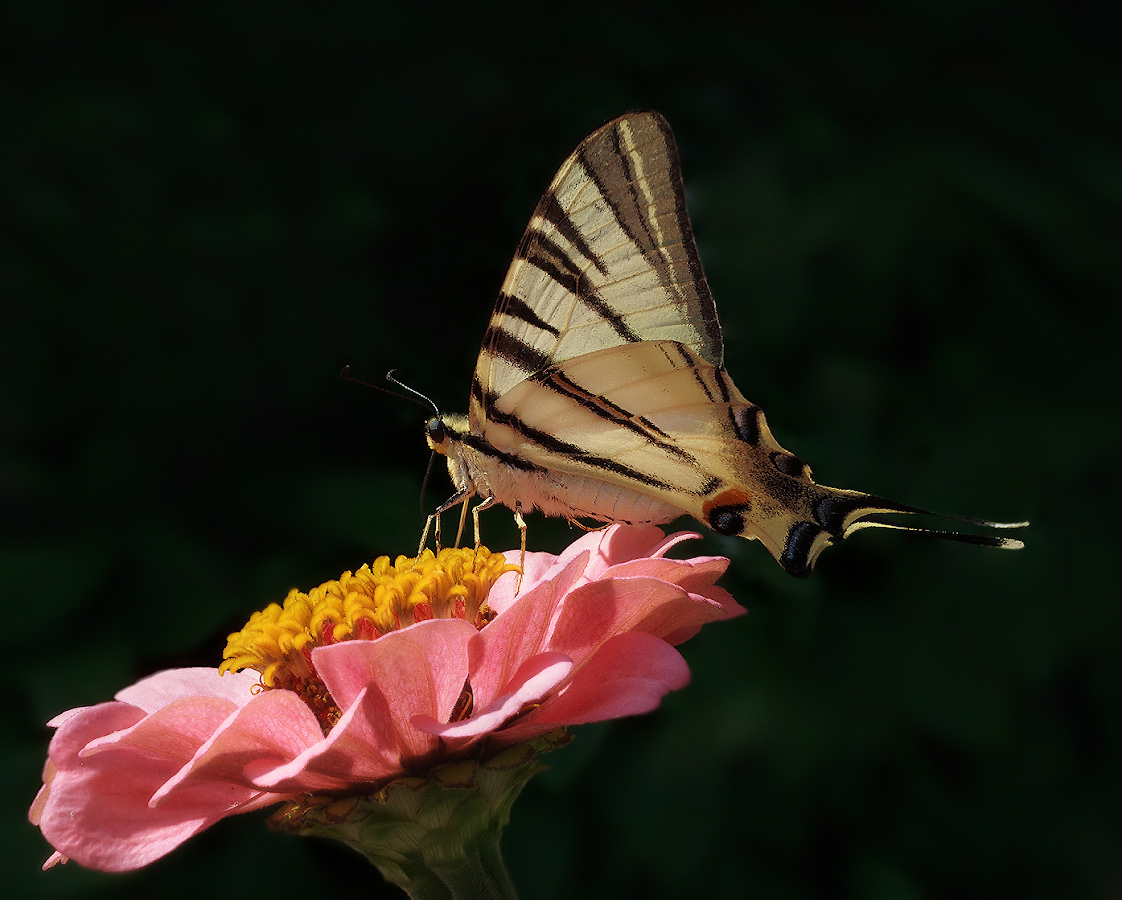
(910, 217)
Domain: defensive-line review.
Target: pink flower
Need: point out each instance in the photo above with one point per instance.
(587, 636)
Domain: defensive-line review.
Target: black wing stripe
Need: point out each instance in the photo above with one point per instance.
(517, 308)
(480, 445)
(631, 212)
(544, 254)
(683, 361)
(739, 426)
(554, 444)
(614, 171)
(685, 229)
(555, 214)
(611, 412)
(722, 379)
(502, 343)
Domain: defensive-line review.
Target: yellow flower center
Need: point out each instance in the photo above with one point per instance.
(361, 605)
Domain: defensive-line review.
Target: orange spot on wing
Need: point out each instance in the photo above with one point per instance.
(731, 497)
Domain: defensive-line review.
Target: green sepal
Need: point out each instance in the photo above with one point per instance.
(436, 836)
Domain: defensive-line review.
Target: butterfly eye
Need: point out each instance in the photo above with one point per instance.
(434, 430)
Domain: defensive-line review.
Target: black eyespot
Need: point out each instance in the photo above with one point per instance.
(746, 423)
(831, 512)
(726, 521)
(788, 463)
(796, 555)
(435, 430)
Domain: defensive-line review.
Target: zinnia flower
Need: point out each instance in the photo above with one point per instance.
(441, 669)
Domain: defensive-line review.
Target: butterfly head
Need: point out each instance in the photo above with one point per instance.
(436, 435)
(443, 431)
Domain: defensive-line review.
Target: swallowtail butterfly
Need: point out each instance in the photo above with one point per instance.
(600, 391)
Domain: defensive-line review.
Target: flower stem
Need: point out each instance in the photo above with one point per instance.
(477, 874)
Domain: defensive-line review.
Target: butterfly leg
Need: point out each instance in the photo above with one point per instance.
(425, 534)
(433, 521)
(486, 504)
(463, 518)
(521, 523)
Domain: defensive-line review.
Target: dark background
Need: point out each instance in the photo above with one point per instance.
(909, 215)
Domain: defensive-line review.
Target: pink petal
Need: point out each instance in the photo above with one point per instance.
(595, 612)
(533, 681)
(628, 675)
(540, 568)
(174, 733)
(604, 547)
(518, 634)
(677, 538)
(424, 664)
(273, 728)
(697, 577)
(157, 691)
(381, 685)
(356, 751)
(96, 809)
(619, 543)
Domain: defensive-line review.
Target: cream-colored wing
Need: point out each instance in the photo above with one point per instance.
(607, 259)
(649, 431)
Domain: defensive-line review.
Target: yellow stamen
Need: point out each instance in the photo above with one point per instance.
(378, 598)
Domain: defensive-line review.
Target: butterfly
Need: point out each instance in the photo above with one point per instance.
(600, 390)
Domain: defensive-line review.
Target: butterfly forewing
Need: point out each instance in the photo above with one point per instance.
(608, 259)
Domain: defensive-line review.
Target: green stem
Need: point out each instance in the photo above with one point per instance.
(476, 874)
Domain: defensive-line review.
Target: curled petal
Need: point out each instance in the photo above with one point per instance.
(418, 670)
(533, 681)
(629, 675)
(157, 691)
(270, 730)
(519, 633)
(598, 610)
(96, 809)
(354, 752)
(595, 553)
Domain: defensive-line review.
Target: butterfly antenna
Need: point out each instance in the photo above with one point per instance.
(417, 397)
(348, 375)
(412, 392)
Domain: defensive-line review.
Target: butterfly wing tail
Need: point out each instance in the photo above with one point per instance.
(836, 514)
